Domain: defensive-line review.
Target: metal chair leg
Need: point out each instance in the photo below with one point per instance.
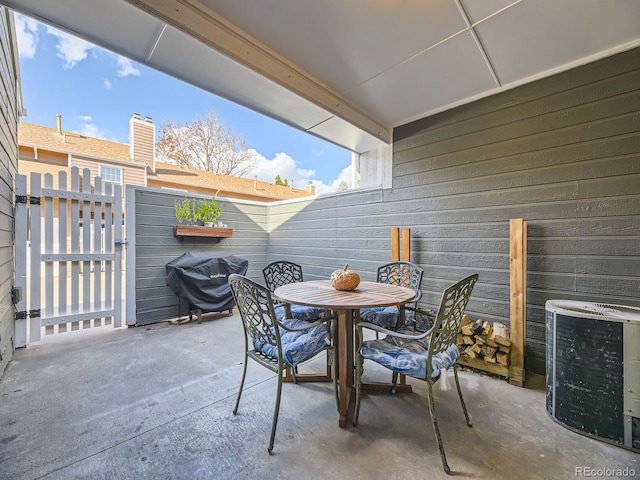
(274, 424)
(464, 407)
(244, 374)
(434, 420)
(394, 382)
(359, 371)
(334, 364)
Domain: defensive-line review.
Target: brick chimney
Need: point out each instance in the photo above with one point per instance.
(310, 187)
(142, 141)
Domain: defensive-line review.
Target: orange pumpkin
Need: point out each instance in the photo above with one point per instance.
(345, 279)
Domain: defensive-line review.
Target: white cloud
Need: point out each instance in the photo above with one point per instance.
(27, 35)
(107, 84)
(70, 49)
(89, 129)
(285, 166)
(346, 176)
(126, 67)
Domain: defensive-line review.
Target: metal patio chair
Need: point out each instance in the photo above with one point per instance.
(275, 344)
(423, 355)
(405, 274)
(281, 273)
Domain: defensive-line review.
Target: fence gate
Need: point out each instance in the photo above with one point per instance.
(68, 254)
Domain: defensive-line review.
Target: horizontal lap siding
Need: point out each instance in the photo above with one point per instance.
(8, 168)
(156, 246)
(563, 153)
(325, 233)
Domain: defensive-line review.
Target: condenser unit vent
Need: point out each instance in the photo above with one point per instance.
(593, 370)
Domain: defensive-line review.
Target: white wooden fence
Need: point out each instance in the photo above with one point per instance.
(73, 279)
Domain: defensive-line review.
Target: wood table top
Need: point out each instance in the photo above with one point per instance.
(320, 293)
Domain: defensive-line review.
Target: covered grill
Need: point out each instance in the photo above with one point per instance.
(201, 280)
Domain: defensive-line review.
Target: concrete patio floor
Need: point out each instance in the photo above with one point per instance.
(156, 402)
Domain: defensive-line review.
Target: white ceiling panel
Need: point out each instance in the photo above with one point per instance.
(341, 132)
(125, 30)
(537, 36)
(441, 76)
(344, 43)
(213, 71)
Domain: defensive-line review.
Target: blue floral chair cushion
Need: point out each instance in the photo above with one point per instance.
(409, 356)
(297, 346)
(300, 312)
(387, 317)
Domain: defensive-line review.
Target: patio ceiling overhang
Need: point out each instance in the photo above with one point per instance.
(349, 72)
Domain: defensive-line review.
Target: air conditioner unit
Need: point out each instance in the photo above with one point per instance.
(593, 370)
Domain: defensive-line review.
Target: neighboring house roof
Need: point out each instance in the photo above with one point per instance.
(31, 135)
(165, 175)
(178, 177)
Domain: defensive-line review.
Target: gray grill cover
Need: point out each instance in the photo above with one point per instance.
(201, 279)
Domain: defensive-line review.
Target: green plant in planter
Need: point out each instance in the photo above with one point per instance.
(184, 211)
(208, 211)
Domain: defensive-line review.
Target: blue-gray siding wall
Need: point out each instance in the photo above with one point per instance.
(562, 153)
(8, 167)
(155, 246)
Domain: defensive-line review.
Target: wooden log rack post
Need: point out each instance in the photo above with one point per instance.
(398, 255)
(518, 299)
(514, 371)
(395, 245)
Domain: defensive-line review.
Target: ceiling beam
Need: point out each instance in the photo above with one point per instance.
(202, 23)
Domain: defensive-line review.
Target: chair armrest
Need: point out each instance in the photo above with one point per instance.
(377, 328)
(420, 310)
(417, 298)
(311, 325)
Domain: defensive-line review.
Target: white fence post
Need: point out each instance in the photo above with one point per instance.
(21, 259)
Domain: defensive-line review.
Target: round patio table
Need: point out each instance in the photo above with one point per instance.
(347, 305)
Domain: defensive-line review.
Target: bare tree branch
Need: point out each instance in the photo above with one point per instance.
(205, 144)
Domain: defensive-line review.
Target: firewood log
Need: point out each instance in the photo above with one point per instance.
(488, 351)
(502, 358)
(490, 340)
(467, 329)
(465, 320)
(477, 327)
(501, 334)
(470, 352)
(486, 328)
(468, 340)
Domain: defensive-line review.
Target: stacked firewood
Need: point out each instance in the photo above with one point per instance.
(484, 341)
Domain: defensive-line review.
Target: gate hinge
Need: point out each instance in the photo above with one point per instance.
(30, 314)
(30, 200)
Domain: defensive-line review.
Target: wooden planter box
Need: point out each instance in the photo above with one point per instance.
(200, 231)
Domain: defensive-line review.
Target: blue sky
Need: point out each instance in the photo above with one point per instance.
(96, 92)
